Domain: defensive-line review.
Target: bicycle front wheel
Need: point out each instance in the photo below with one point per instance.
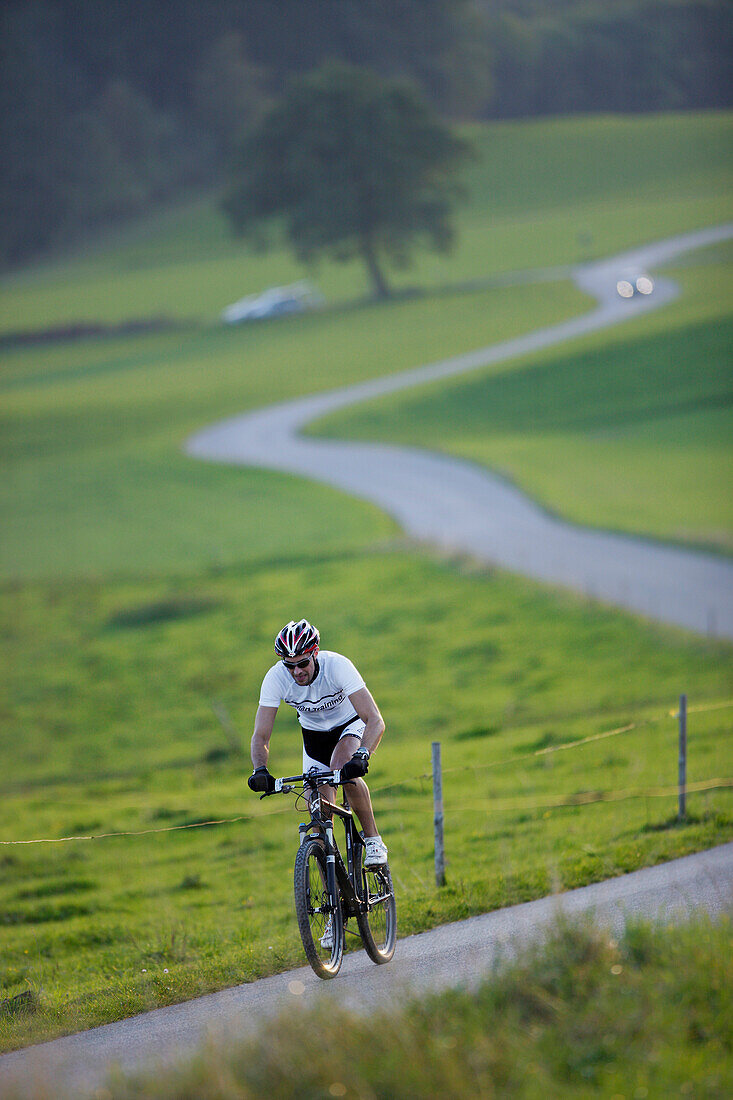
(378, 923)
(321, 926)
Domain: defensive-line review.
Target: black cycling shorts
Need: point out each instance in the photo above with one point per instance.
(319, 744)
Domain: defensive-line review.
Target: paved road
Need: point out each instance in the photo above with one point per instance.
(460, 506)
(454, 954)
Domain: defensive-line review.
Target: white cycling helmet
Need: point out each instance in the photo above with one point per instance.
(297, 639)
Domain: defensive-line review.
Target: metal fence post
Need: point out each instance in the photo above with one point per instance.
(438, 816)
(682, 774)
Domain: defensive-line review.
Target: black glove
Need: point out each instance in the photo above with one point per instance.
(358, 765)
(261, 780)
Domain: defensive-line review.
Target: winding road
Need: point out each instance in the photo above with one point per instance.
(461, 507)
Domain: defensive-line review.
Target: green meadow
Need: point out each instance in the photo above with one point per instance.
(141, 589)
(539, 193)
(131, 708)
(96, 478)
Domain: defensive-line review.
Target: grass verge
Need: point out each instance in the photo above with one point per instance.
(580, 1014)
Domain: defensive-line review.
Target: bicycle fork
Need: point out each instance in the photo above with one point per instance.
(333, 894)
(330, 849)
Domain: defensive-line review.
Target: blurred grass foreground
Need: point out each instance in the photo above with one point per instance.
(649, 1015)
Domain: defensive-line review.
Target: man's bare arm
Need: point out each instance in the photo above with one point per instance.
(368, 711)
(260, 746)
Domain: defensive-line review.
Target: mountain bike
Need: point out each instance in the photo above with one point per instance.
(328, 890)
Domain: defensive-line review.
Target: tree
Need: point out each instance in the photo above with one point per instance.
(350, 165)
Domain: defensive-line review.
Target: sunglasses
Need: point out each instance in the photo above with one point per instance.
(298, 664)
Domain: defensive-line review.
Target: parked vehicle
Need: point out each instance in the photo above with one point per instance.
(272, 302)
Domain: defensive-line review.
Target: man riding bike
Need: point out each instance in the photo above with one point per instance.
(340, 722)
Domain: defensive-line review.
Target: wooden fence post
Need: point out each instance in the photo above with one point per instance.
(438, 816)
(682, 773)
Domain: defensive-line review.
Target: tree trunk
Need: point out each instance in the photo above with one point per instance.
(381, 287)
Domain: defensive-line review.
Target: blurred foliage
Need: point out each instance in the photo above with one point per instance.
(108, 108)
(354, 165)
(579, 1015)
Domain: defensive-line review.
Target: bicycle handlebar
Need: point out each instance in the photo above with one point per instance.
(324, 779)
(285, 784)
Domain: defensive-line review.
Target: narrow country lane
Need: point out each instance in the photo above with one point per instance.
(461, 507)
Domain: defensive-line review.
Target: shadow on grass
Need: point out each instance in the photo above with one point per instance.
(676, 822)
(160, 611)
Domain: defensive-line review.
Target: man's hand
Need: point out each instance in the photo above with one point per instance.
(261, 780)
(358, 765)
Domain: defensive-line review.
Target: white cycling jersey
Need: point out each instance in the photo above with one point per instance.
(324, 703)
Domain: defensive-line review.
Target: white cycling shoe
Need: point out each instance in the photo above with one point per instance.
(376, 852)
(327, 937)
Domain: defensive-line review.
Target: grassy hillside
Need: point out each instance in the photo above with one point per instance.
(630, 429)
(94, 476)
(122, 702)
(92, 433)
(540, 193)
(141, 589)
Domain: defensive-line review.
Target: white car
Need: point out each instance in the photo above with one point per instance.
(270, 303)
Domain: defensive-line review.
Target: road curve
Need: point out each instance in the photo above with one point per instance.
(459, 506)
(451, 955)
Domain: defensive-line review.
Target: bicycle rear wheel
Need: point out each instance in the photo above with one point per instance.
(314, 912)
(378, 924)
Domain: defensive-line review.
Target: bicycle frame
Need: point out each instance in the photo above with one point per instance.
(329, 889)
(336, 870)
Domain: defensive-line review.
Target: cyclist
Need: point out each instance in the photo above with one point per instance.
(340, 722)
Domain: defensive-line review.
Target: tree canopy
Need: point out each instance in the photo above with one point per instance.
(351, 165)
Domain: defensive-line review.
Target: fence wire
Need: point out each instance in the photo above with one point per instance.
(587, 798)
(578, 799)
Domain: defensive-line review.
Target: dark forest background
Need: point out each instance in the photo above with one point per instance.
(110, 106)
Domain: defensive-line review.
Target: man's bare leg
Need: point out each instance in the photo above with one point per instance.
(357, 791)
